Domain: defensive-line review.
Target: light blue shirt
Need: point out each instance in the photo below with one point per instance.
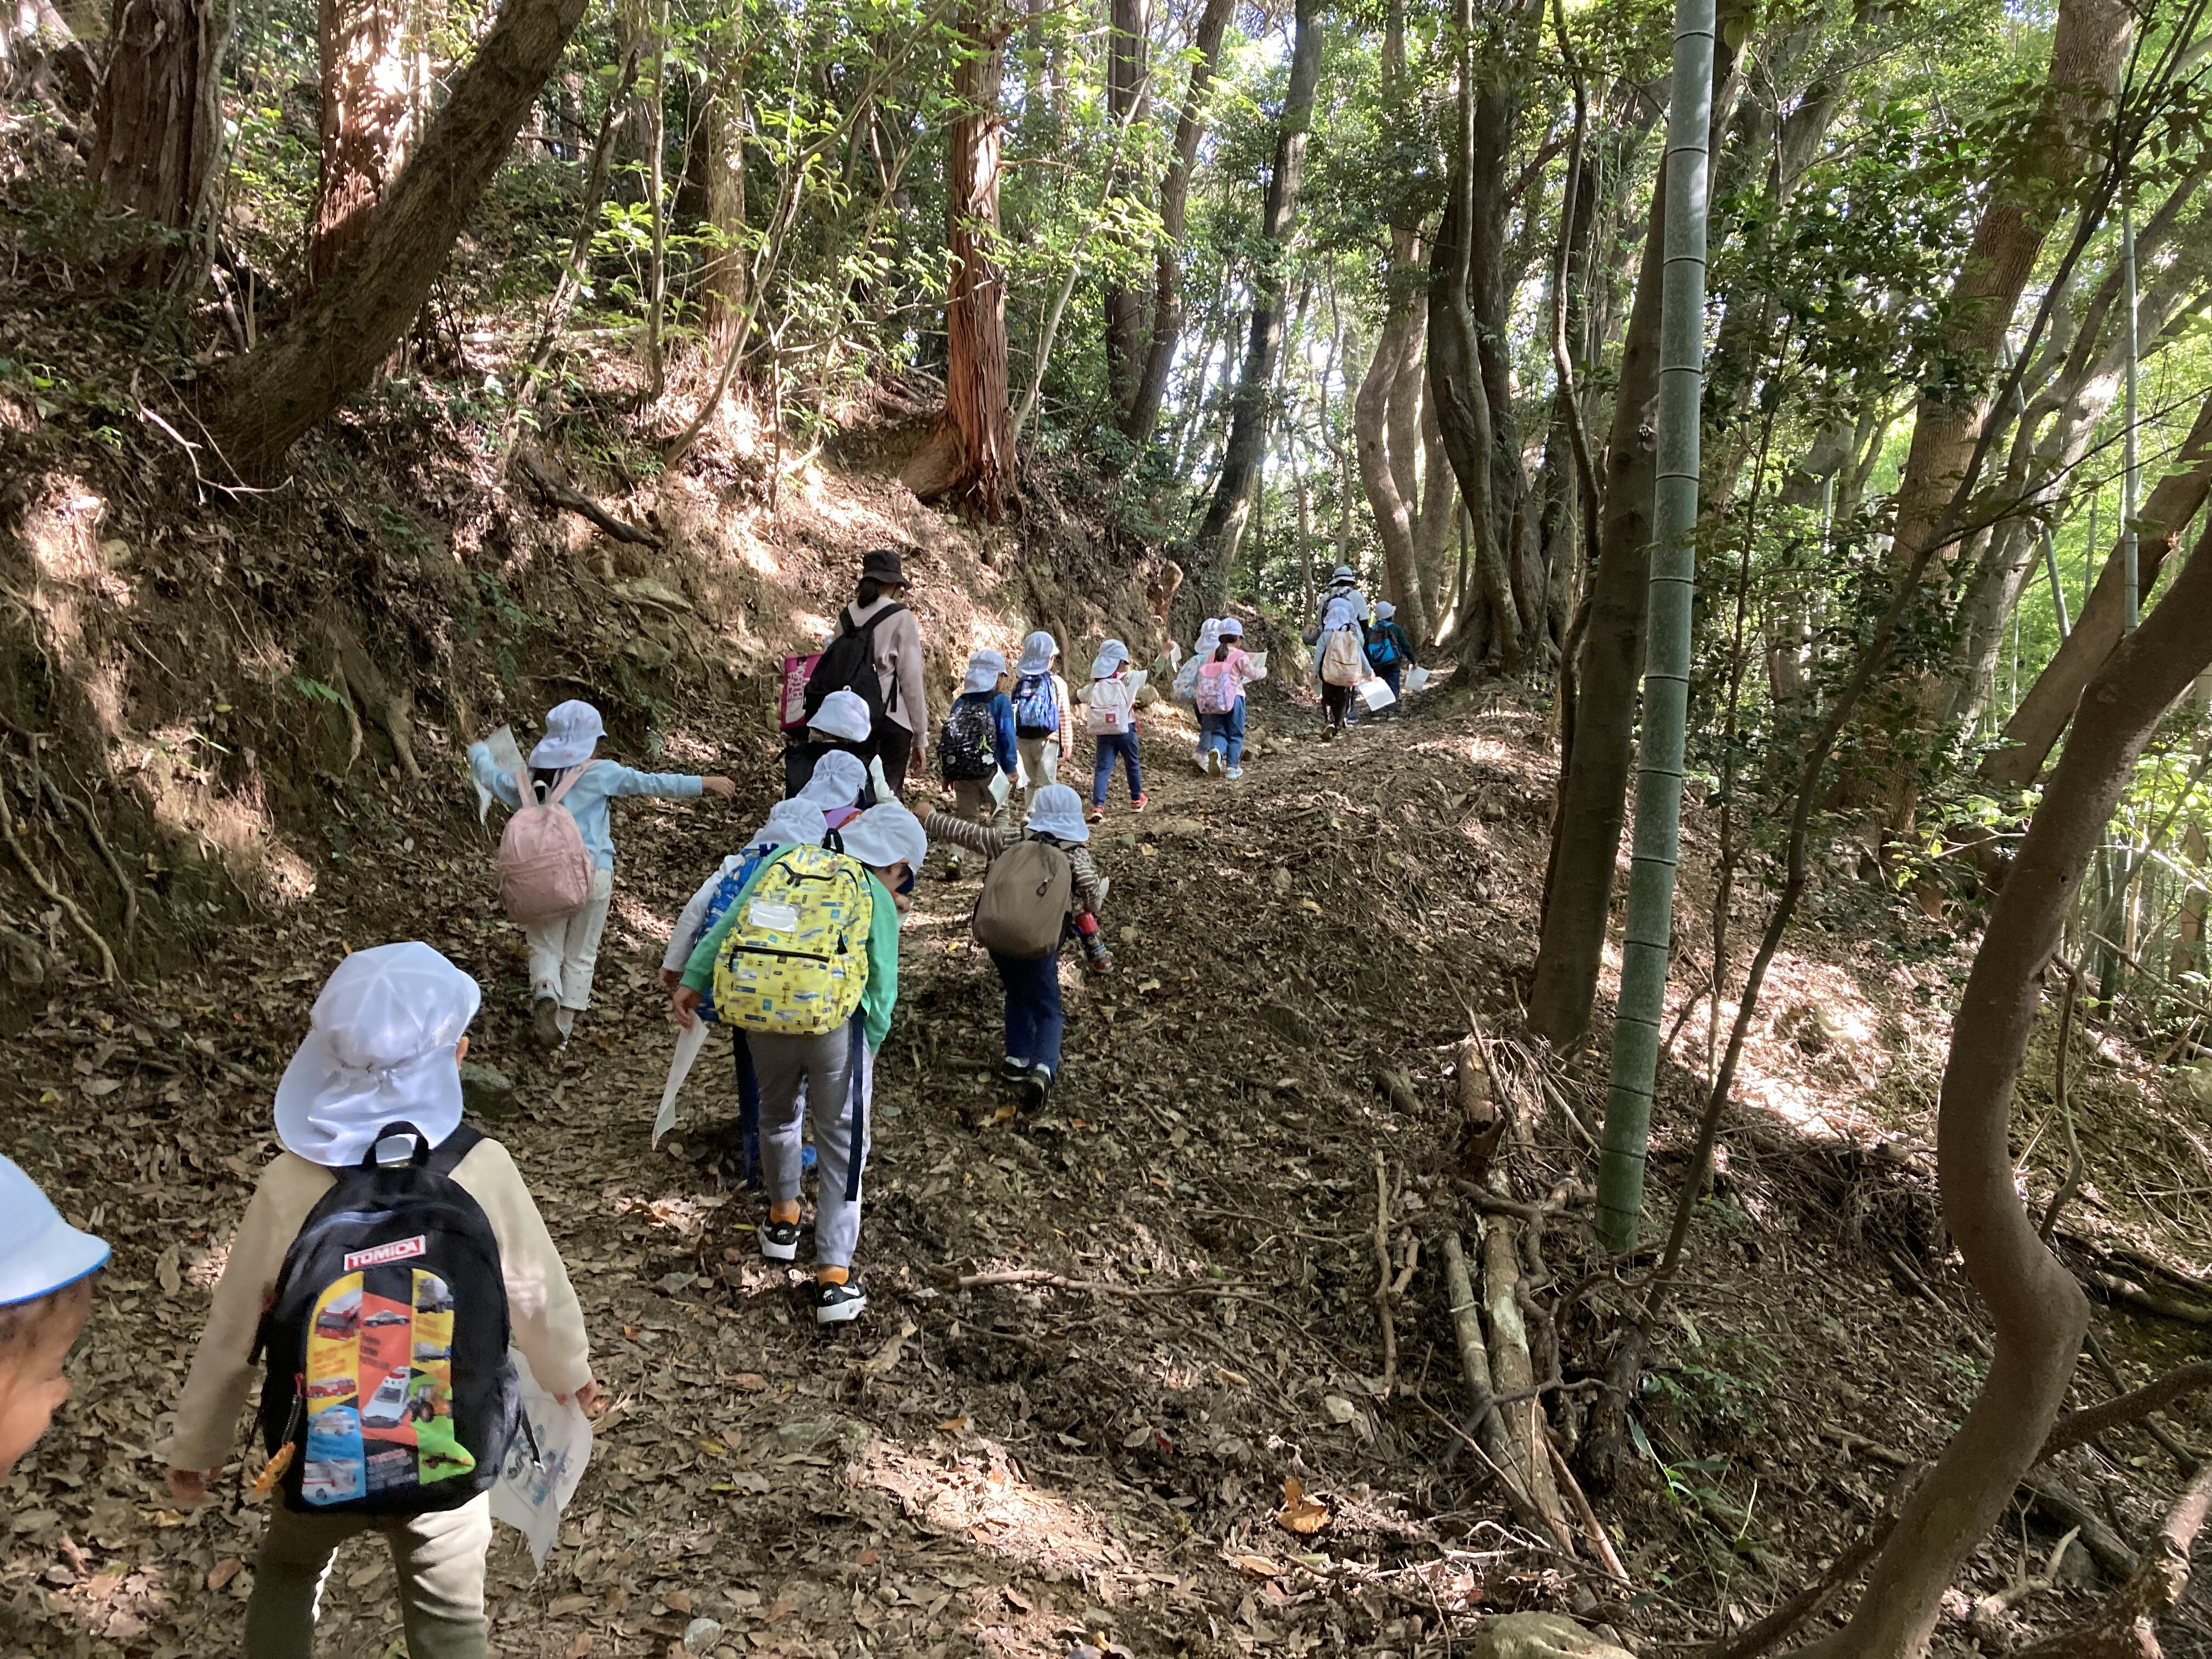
(587, 798)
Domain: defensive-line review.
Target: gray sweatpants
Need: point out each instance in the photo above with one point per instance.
(440, 1558)
(837, 1099)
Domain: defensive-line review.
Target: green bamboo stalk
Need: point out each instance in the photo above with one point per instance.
(1658, 836)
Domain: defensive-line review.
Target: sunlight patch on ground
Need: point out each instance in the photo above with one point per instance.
(179, 792)
(975, 1493)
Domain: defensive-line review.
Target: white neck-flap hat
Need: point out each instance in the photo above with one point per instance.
(1057, 811)
(843, 715)
(40, 1252)
(837, 781)
(1037, 651)
(983, 670)
(573, 730)
(887, 834)
(794, 823)
(379, 1051)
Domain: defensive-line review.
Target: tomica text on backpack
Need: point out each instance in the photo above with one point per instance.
(389, 1257)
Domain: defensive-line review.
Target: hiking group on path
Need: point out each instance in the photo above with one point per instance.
(392, 1280)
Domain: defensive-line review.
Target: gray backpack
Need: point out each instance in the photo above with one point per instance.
(1024, 901)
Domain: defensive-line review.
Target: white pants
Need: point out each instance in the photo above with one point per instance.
(1040, 761)
(563, 953)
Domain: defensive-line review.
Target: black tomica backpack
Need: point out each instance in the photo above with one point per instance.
(387, 1341)
(848, 663)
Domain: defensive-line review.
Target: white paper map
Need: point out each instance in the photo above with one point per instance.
(688, 1044)
(507, 755)
(532, 1492)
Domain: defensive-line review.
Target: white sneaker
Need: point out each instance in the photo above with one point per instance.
(1234, 772)
(1205, 762)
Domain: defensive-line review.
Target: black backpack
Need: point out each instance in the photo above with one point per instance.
(964, 745)
(848, 663)
(387, 1341)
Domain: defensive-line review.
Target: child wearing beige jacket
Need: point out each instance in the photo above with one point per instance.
(386, 1045)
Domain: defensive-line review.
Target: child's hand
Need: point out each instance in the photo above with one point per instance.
(684, 1000)
(725, 788)
(188, 1488)
(670, 979)
(586, 1397)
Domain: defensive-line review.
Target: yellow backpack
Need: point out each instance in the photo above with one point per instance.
(796, 961)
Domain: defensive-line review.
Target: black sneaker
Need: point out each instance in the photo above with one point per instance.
(838, 1304)
(1036, 1086)
(779, 1240)
(1013, 1069)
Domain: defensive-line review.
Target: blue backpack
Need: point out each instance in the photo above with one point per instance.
(1382, 644)
(725, 895)
(1036, 707)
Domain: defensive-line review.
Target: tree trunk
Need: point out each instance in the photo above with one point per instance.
(157, 116)
(1456, 377)
(1593, 766)
(2035, 1306)
(1214, 551)
(724, 278)
(1124, 306)
(971, 457)
(1396, 355)
(2042, 715)
(1141, 414)
(2089, 44)
(365, 48)
(335, 341)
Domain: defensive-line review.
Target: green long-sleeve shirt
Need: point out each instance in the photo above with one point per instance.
(877, 998)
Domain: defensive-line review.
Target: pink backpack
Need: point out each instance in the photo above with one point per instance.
(545, 868)
(1217, 690)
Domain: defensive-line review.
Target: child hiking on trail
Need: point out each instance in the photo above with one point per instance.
(1389, 652)
(1044, 728)
(46, 1296)
(840, 726)
(1340, 636)
(1219, 694)
(977, 744)
(387, 1257)
(1042, 886)
(804, 962)
(565, 949)
(1109, 715)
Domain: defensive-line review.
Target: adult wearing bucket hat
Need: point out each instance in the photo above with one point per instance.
(896, 653)
(1343, 608)
(46, 1296)
(383, 1046)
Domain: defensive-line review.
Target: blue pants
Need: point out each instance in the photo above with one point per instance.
(1034, 1019)
(1123, 744)
(1394, 673)
(1224, 732)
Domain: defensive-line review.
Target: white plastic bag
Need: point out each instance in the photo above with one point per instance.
(1416, 679)
(507, 755)
(1376, 693)
(532, 1490)
(688, 1044)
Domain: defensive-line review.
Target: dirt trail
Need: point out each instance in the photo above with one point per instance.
(1007, 1469)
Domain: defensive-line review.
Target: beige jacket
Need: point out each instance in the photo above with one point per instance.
(542, 1305)
(898, 664)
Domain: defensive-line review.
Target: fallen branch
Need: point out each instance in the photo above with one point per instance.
(1515, 1373)
(2127, 1626)
(1600, 1540)
(2097, 1536)
(2116, 1289)
(559, 495)
(1988, 1610)
(2079, 1427)
(1475, 1362)
(1382, 1280)
(2065, 1107)
(82, 809)
(1483, 1121)
(1092, 1287)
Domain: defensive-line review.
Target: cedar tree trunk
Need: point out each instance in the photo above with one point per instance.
(157, 117)
(365, 60)
(1124, 306)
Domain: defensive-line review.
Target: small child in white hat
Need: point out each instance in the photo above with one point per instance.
(46, 1296)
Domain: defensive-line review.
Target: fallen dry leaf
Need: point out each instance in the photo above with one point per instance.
(1300, 1514)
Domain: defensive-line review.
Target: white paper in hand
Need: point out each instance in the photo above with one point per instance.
(688, 1044)
(507, 755)
(532, 1490)
(1002, 787)
(1259, 663)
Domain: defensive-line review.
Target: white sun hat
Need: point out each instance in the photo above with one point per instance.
(837, 781)
(573, 730)
(1231, 629)
(1037, 652)
(379, 1051)
(886, 834)
(843, 715)
(1384, 610)
(983, 670)
(1057, 811)
(40, 1252)
(794, 823)
(1111, 655)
